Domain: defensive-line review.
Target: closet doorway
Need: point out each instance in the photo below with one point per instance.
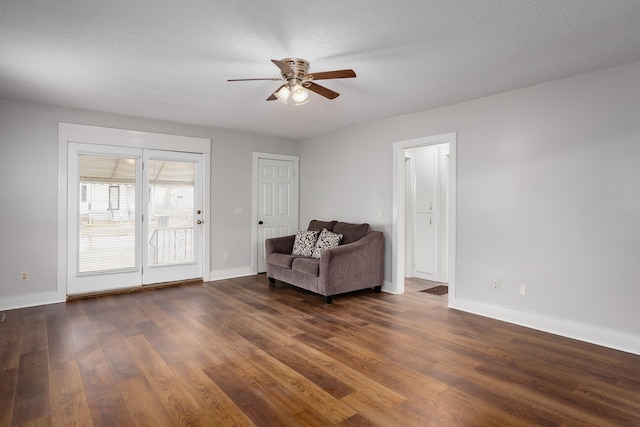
(426, 212)
(434, 213)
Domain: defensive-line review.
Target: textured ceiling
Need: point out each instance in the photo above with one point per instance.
(170, 59)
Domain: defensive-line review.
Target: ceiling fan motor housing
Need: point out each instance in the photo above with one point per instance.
(300, 69)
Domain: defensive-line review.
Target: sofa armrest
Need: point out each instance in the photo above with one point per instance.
(281, 245)
(353, 266)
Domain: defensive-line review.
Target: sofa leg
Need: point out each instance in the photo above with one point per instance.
(377, 289)
(272, 281)
(328, 299)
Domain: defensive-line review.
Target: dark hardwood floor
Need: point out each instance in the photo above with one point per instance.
(239, 352)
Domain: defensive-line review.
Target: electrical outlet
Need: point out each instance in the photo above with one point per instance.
(24, 276)
(495, 285)
(522, 290)
(225, 256)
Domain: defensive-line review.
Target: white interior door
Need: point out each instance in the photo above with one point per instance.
(425, 238)
(277, 202)
(426, 223)
(121, 201)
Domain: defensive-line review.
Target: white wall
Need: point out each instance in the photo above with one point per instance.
(28, 196)
(548, 195)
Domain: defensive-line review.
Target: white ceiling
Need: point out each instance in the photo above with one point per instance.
(170, 59)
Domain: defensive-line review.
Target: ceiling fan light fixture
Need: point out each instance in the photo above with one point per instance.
(298, 82)
(300, 94)
(283, 94)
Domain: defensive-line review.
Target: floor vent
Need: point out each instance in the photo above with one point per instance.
(2, 317)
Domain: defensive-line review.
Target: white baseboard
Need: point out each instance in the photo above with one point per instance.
(593, 334)
(230, 273)
(32, 300)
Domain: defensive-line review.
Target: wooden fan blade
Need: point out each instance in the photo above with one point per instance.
(284, 67)
(273, 79)
(338, 74)
(321, 90)
(273, 96)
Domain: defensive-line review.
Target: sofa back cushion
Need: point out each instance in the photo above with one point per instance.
(316, 225)
(351, 232)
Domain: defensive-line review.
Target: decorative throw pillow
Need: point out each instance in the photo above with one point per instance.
(326, 240)
(304, 243)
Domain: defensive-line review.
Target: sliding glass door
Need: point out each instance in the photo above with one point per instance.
(134, 217)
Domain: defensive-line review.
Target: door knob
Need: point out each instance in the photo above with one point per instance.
(260, 222)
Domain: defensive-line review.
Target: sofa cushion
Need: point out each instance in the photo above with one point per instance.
(304, 243)
(316, 225)
(310, 266)
(281, 260)
(351, 232)
(326, 240)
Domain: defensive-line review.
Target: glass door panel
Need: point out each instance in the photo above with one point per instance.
(171, 212)
(173, 230)
(104, 230)
(106, 213)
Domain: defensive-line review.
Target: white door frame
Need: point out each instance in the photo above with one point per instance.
(399, 209)
(69, 132)
(254, 198)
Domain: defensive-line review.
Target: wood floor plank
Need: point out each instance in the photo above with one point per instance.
(219, 407)
(8, 382)
(60, 341)
(249, 394)
(142, 403)
(162, 343)
(242, 352)
(10, 333)
(312, 371)
(69, 406)
(106, 405)
(177, 402)
(122, 365)
(88, 350)
(31, 398)
(383, 415)
(334, 411)
(34, 333)
(351, 376)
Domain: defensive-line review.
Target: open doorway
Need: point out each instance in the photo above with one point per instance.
(424, 221)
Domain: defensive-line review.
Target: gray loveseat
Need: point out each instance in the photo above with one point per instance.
(357, 263)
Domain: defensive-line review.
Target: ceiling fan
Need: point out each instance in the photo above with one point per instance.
(295, 72)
